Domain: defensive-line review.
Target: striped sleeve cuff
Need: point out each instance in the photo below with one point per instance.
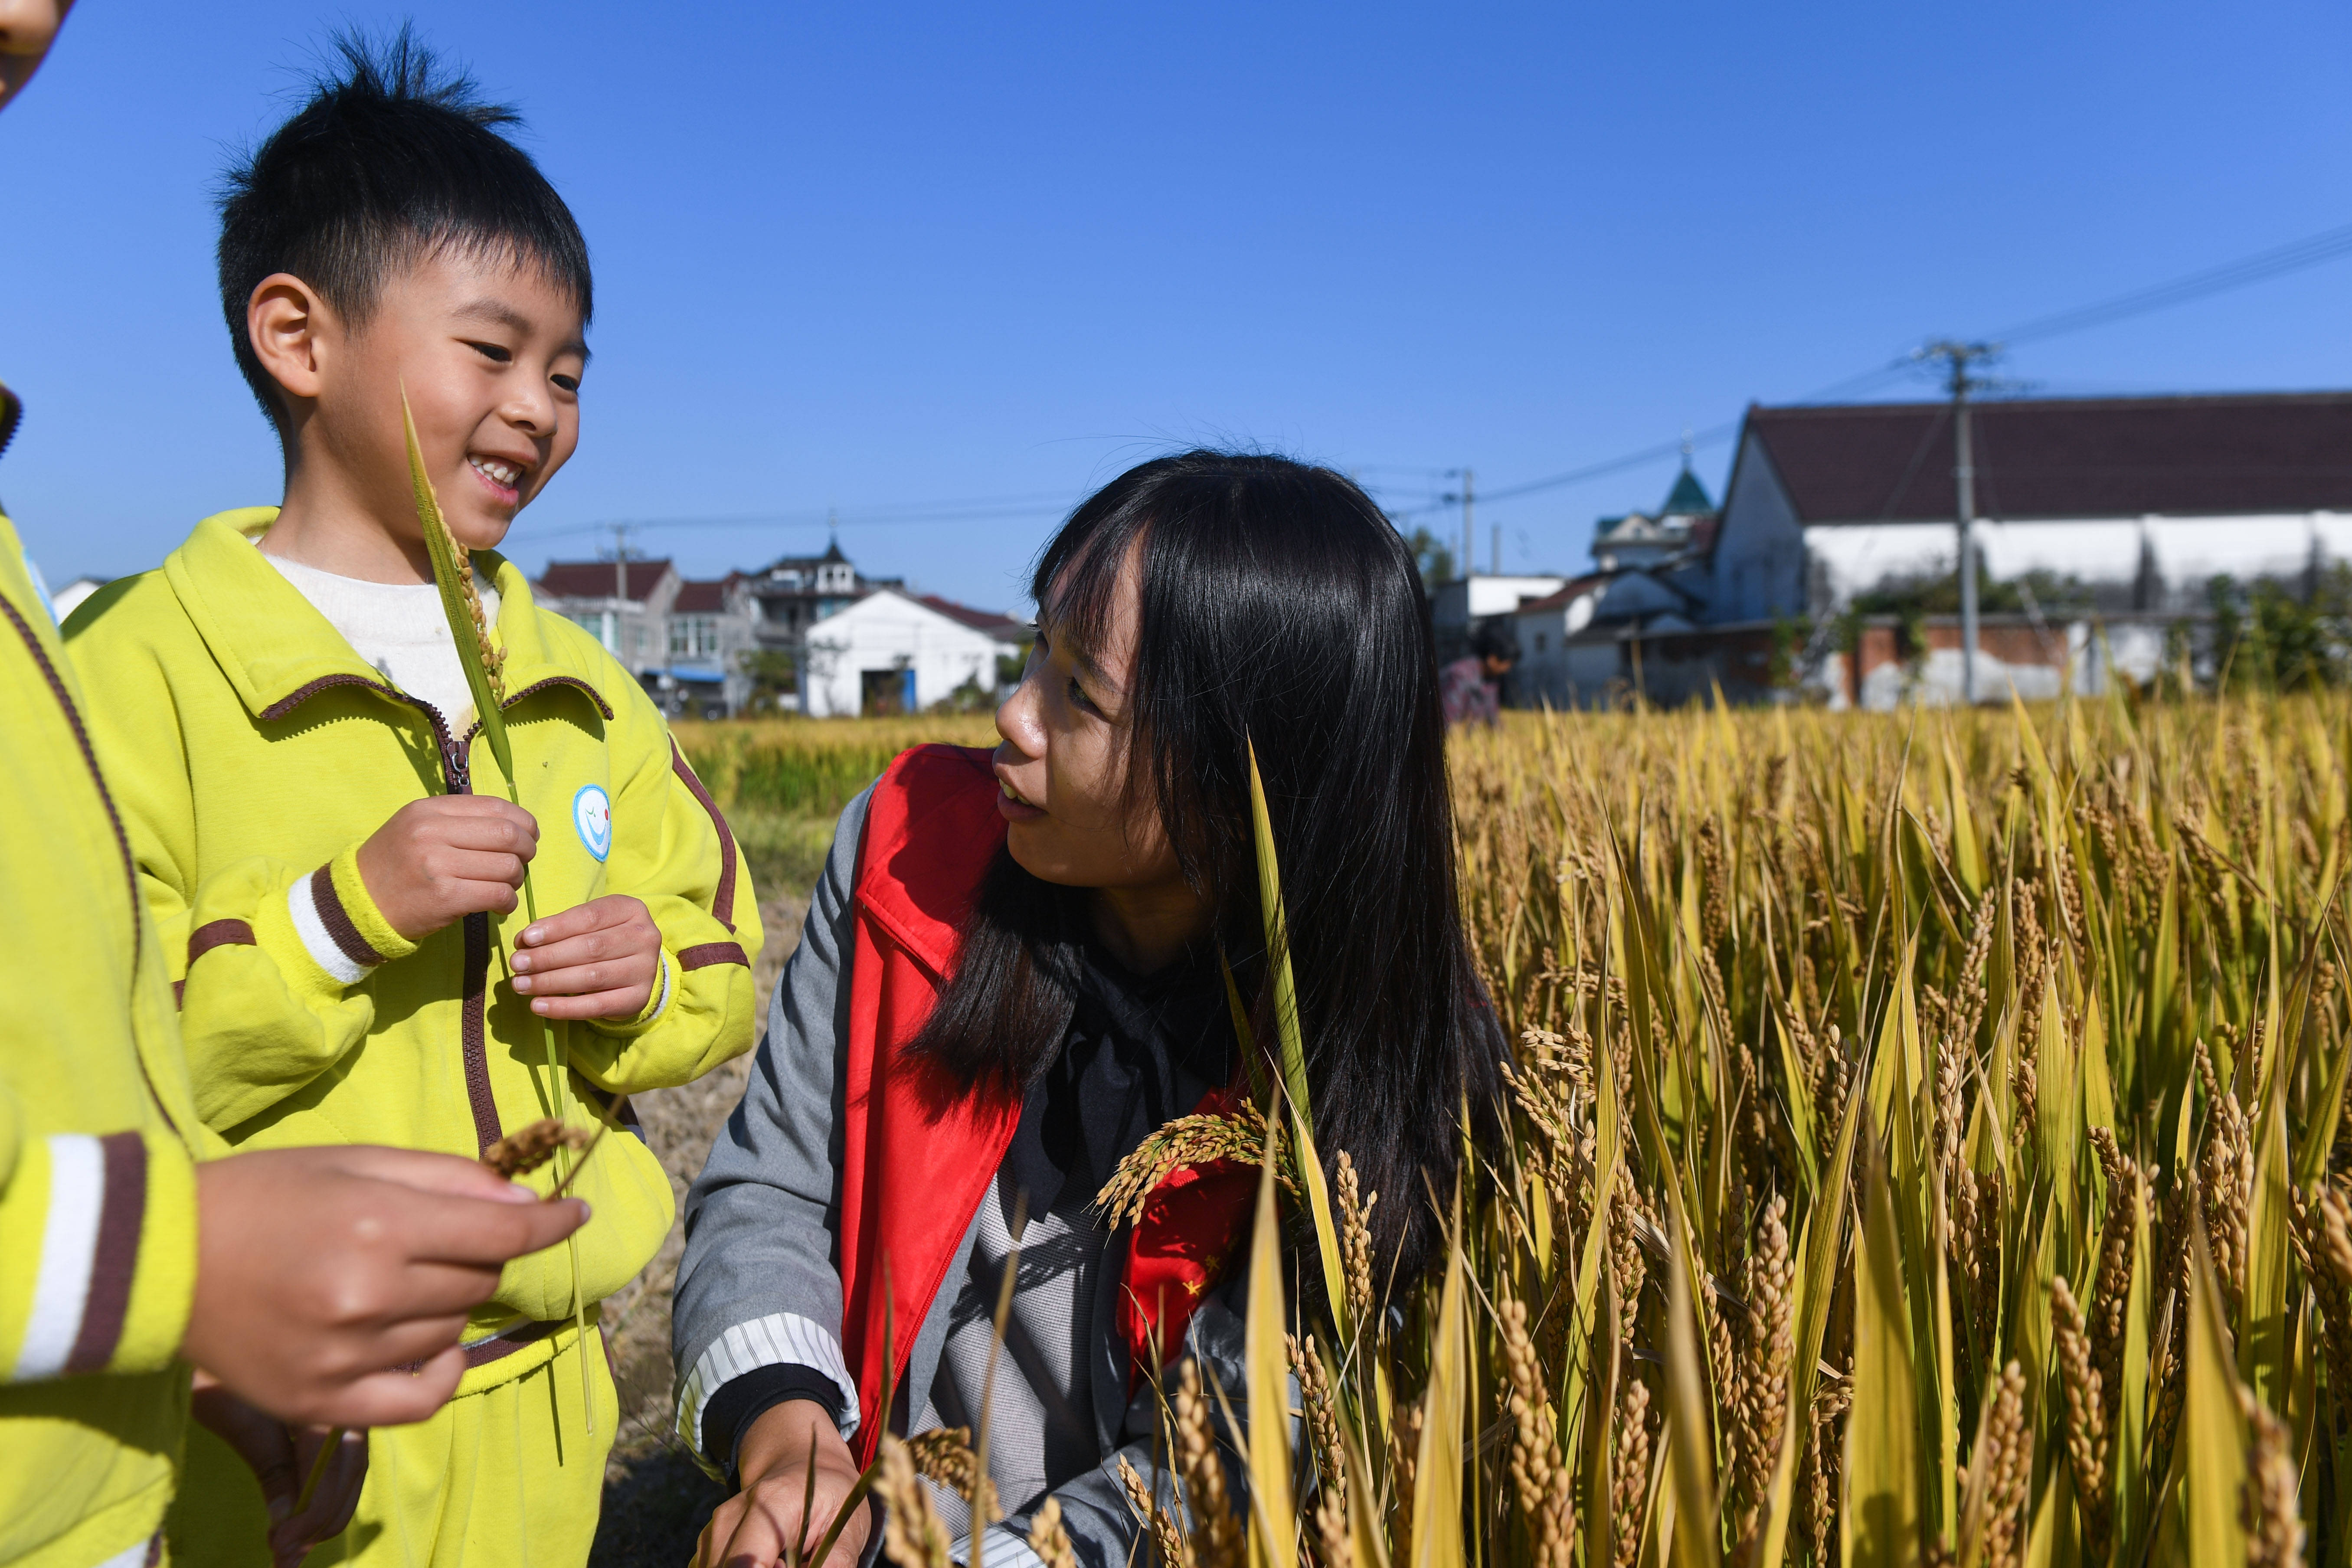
(340, 926)
(779, 1339)
(116, 1250)
(1006, 1548)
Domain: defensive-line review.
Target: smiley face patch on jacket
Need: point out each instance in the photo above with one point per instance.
(592, 814)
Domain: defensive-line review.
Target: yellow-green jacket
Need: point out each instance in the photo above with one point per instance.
(97, 1225)
(254, 751)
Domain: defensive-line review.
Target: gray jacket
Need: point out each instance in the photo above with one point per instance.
(758, 1287)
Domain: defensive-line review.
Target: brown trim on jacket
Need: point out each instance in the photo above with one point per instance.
(90, 757)
(337, 920)
(203, 939)
(121, 1214)
(722, 902)
(705, 955)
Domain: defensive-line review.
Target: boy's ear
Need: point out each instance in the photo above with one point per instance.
(285, 321)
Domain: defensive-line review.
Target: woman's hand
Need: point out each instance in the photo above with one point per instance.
(597, 960)
(281, 1458)
(754, 1528)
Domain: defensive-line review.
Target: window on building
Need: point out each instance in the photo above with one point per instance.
(693, 636)
(1539, 642)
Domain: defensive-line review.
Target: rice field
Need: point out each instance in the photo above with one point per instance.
(1925, 1150)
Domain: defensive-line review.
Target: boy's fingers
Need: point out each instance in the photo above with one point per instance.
(447, 1174)
(595, 915)
(607, 944)
(627, 1003)
(394, 1398)
(461, 1231)
(482, 869)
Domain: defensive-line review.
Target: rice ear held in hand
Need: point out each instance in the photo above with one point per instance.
(453, 573)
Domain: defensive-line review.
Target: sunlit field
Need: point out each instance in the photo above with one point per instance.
(1923, 1151)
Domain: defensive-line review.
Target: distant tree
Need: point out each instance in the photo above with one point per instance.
(972, 697)
(1431, 554)
(775, 684)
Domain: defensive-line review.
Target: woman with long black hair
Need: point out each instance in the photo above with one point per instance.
(1011, 974)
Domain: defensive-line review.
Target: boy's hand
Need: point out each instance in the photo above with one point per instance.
(332, 1283)
(281, 1458)
(447, 857)
(598, 960)
(763, 1524)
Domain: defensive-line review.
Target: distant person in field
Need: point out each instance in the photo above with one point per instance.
(1011, 974)
(1472, 686)
(314, 1289)
(324, 838)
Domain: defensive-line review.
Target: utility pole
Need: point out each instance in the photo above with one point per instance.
(620, 561)
(1958, 357)
(1469, 537)
(1497, 556)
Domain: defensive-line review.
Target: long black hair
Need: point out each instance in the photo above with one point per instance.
(1279, 607)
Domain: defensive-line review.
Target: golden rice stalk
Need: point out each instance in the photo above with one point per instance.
(1190, 1140)
(2086, 1422)
(1217, 1534)
(2266, 1500)
(1355, 1238)
(2322, 1235)
(1767, 1283)
(1629, 1486)
(526, 1149)
(912, 1535)
(2003, 1468)
(1335, 1544)
(1538, 1468)
(1322, 1420)
(1167, 1538)
(2225, 1171)
(1048, 1540)
(944, 1456)
(1404, 1459)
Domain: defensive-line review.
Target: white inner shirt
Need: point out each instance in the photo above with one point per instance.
(397, 627)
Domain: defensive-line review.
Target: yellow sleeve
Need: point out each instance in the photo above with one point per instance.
(268, 962)
(672, 849)
(101, 1232)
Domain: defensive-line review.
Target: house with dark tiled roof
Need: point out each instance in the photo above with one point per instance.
(2141, 499)
(683, 639)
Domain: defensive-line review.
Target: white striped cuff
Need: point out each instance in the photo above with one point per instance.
(328, 935)
(90, 1249)
(661, 964)
(779, 1339)
(1005, 1550)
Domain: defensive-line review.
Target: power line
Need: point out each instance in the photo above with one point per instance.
(2259, 268)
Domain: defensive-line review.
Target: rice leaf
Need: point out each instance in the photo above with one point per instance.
(2212, 1429)
(1272, 1515)
(1437, 1472)
(1689, 1434)
(1881, 1518)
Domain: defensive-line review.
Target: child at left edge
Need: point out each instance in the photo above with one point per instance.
(322, 834)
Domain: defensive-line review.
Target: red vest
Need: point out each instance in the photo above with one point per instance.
(918, 1151)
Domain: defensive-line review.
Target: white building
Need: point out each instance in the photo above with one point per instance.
(1455, 608)
(890, 652)
(2140, 501)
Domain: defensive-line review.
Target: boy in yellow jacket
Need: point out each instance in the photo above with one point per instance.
(323, 834)
(325, 1287)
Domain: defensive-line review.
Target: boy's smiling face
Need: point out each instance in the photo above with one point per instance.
(491, 354)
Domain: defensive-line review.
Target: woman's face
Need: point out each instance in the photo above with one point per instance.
(1062, 770)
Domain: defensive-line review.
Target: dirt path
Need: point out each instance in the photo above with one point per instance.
(656, 1499)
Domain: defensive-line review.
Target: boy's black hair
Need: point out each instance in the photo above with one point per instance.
(392, 159)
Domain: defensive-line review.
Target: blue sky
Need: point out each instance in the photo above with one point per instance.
(945, 269)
